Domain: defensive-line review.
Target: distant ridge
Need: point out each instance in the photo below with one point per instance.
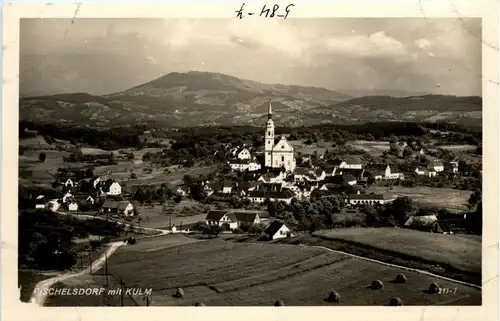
(202, 98)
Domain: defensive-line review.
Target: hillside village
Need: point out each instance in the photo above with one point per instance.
(255, 179)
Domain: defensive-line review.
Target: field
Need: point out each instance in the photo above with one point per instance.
(301, 147)
(374, 148)
(220, 273)
(459, 148)
(153, 215)
(460, 252)
(452, 199)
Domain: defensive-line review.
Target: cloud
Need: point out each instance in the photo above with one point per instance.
(422, 43)
(375, 44)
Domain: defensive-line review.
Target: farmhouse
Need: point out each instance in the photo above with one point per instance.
(382, 171)
(426, 171)
(117, 207)
(114, 189)
(73, 206)
(277, 230)
(68, 182)
(244, 153)
(438, 166)
(355, 172)
(241, 165)
(217, 217)
(40, 202)
(247, 217)
(371, 199)
(183, 191)
(351, 162)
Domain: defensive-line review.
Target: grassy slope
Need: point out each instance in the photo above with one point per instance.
(221, 273)
(453, 256)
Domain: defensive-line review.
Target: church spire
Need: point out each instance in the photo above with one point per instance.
(269, 111)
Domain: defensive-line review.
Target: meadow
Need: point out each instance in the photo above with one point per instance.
(462, 252)
(222, 273)
(374, 148)
(452, 199)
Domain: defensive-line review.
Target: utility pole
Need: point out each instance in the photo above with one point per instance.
(121, 291)
(90, 262)
(106, 268)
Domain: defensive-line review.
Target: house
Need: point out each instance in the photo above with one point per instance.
(367, 199)
(68, 196)
(426, 172)
(277, 230)
(68, 182)
(211, 188)
(54, 205)
(383, 171)
(438, 166)
(272, 178)
(320, 174)
(244, 153)
(260, 196)
(356, 172)
(40, 202)
(300, 174)
(426, 223)
(227, 187)
(117, 207)
(241, 165)
(114, 189)
(247, 217)
(351, 162)
(217, 217)
(343, 179)
(183, 191)
(73, 206)
(451, 167)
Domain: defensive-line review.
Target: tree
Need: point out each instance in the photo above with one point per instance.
(407, 152)
(271, 208)
(188, 180)
(42, 157)
(400, 208)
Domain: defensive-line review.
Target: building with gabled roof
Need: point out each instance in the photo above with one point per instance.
(277, 230)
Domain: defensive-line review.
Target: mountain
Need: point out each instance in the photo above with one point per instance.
(202, 98)
(381, 92)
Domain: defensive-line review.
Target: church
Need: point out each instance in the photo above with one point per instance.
(280, 154)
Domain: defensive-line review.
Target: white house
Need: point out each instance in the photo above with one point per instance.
(40, 202)
(425, 172)
(69, 182)
(277, 230)
(117, 207)
(183, 191)
(368, 199)
(351, 163)
(54, 205)
(66, 197)
(220, 218)
(382, 171)
(438, 165)
(244, 154)
(90, 199)
(73, 206)
(272, 178)
(241, 165)
(227, 187)
(114, 189)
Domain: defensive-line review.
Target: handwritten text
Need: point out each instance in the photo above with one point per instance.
(266, 12)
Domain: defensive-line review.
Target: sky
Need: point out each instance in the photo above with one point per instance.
(100, 56)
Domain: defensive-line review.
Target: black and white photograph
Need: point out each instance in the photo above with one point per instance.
(254, 160)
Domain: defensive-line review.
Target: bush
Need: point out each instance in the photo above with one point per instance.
(238, 231)
(400, 278)
(377, 285)
(199, 304)
(95, 243)
(434, 288)
(279, 303)
(395, 302)
(334, 297)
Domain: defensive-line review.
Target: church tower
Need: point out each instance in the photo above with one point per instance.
(269, 137)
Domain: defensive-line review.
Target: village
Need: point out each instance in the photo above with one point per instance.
(253, 179)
